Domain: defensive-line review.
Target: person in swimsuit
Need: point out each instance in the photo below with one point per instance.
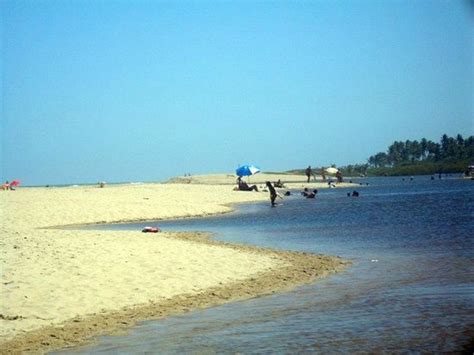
(273, 193)
(243, 186)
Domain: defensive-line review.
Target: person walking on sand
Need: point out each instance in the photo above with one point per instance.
(308, 172)
(273, 193)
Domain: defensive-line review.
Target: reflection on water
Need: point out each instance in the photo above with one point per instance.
(410, 289)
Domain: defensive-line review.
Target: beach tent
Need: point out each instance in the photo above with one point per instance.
(247, 170)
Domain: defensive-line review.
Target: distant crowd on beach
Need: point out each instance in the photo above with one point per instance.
(10, 185)
(310, 194)
(309, 173)
(6, 186)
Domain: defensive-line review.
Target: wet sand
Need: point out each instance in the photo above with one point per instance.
(62, 287)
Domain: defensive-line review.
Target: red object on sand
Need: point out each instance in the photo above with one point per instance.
(15, 183)
(151, 230)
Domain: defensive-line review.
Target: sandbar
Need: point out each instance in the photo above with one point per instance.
(63, 287)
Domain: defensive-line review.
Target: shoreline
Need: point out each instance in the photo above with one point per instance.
(62, 286)
(300, 269)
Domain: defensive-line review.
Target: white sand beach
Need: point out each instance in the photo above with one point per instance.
(54, 278)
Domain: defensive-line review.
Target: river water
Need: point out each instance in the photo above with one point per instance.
(410, 289)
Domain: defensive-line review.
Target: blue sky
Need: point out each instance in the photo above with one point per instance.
(146, 90)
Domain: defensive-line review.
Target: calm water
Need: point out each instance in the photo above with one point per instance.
(411, 287)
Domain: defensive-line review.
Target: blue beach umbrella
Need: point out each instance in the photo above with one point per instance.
(247, 170)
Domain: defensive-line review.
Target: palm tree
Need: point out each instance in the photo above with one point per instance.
(396, 153)
(460, 154)
(434, 151)
(424, 148)
(381, 159)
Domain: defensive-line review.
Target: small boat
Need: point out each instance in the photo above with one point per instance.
(151, 230)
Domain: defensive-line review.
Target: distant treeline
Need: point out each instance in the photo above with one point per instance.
(450, 155)
(423, 157)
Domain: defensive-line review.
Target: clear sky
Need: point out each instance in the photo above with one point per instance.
(145, 90)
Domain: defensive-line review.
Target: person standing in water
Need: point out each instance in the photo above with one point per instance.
(273, 193)
(308, 172)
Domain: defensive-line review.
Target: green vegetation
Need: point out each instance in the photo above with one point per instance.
(451, 155)
(423, 157)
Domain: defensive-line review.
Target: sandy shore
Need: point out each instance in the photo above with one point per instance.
(60, 287)
(290, 181)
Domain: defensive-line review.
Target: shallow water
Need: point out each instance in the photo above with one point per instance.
(410, 289)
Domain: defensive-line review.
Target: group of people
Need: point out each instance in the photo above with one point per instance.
(309, 173)
(270, 187)
(243, 186)
(309, 194)
(8, 186)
